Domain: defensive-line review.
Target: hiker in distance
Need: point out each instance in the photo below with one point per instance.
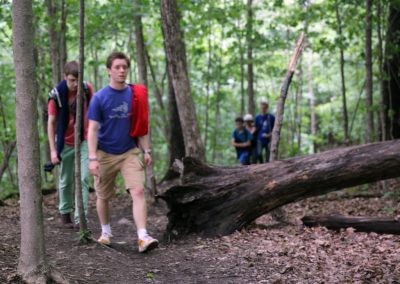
(61, 135)
(241, 140)
(265, 122)
(118, 135)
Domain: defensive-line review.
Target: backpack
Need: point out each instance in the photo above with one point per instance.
(55, 95)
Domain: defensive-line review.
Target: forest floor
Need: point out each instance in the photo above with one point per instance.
(263, 253)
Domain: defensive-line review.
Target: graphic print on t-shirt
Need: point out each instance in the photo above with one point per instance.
(121, 111)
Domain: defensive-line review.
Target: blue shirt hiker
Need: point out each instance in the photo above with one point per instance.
(115, 124)
(264, 125)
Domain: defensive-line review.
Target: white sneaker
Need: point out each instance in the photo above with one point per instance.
(105, 239)
(147, 243)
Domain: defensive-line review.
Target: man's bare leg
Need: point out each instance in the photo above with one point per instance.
(104, 216)
(139, 211)
(103, 211)
(139, 207)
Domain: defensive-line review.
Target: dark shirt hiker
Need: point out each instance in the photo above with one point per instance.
(265, 122)
(241, 140)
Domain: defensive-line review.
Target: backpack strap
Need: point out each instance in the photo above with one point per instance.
(55, 95)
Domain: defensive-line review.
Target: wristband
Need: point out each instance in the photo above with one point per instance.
(92, 159)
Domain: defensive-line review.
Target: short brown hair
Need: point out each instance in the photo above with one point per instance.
(117, 55)
(71, 68)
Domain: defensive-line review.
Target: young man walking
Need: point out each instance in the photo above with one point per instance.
(118, 134)
(60, 131)
(265, 122)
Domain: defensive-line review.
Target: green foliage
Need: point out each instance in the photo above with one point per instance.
(215, 37)
(84, 237)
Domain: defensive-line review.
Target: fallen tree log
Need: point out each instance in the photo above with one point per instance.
(219, 200)
(380, 225)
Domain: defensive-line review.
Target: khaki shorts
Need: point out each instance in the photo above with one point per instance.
(129, 164)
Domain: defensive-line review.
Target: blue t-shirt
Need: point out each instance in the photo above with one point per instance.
(242, 137)
(264, 124)
(113, 110)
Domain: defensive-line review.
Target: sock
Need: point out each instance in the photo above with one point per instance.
(142, 233)
(106, 229)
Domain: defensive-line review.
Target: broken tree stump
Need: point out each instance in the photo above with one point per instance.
(380, 225)
(220, 200)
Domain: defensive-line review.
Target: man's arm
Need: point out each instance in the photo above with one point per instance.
(144, 144)
(51, 134)
(241, 145)
(92, 147)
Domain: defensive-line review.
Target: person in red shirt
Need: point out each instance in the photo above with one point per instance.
(60, 131)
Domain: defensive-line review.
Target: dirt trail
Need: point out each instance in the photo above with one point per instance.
(264, 253)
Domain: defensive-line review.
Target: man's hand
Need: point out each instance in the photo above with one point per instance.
(147, 159)
(54, 158)
(94, 168)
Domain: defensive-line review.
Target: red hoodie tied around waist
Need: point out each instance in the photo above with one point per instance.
(140, 109)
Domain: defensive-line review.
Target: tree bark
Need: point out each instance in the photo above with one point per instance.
(63, 41)
(142, 71)
(381, 225)
(175, 139)
(139, 41)
(218, 201)
(208, 83)
(159, 97)
(342, 75)
(313, 116)
(276, 132)
(368, 73)
(33, 264)
(32, 254)
(78, 120)
(54, 37)
(392, 72)
(7, 152)
(382, 106)
(177, 69)
(251, 108)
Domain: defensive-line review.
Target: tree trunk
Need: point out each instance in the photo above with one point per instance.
(142, 71)
(54, 40)
(95, 67)
(216, 153)
(7, 152)
(298, 99)
(139, 41)
(276, 132)
(218, 201)
(368, 73)
(208, 83)
(63, 41)
(78, 120)
(382, 106)
(32, 265)
(381, 225)
(342, 76)
(251, 108)
(242, 91)
(159, 96)
(392, 72)
(176, 143)
(313, 116)
(177, 69)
